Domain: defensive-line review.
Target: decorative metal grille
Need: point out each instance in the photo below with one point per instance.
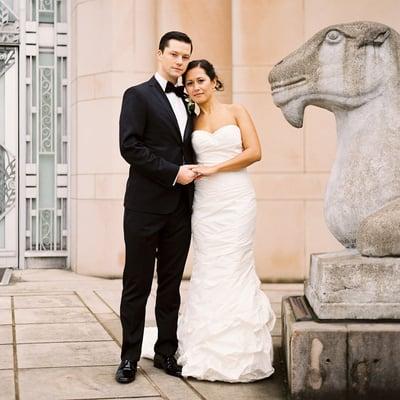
(46, 217)
(7, 181)
(46, 136)
(46, 5)
(7, 59)
(46, 110)
(9, 25)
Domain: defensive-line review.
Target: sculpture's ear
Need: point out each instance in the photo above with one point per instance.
(381, 37)
(375, 37)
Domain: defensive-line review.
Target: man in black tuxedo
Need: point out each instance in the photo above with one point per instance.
(155, 139)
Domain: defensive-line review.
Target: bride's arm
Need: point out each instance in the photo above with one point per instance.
(251, 146)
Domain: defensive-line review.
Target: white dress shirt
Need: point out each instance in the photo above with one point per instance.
(176, 103)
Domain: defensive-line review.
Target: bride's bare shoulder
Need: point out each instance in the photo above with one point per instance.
(236, 110)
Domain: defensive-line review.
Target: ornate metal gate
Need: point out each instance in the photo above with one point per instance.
(39, 28)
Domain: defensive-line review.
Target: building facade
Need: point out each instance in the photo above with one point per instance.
(64, 67)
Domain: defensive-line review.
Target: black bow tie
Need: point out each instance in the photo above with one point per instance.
(178, 90)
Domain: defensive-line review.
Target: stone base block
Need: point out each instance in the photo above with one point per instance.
(340, 360)
(346, 285)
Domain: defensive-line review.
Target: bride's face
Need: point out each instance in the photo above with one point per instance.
(199, 86)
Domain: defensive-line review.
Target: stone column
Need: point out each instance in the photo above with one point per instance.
(113, 45)
(264, 33)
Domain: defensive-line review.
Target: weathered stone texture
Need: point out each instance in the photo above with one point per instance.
(341, 360)
(315, 357)
(373, 360)
(346, 285)
(379, 234)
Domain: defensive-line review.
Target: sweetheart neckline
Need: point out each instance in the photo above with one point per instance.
(216, 130)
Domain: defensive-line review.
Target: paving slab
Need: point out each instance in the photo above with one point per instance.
(5, 303)
(80, 383)
(73, 332)
(6, 356)
(112, 324)
(171, 387)
(283, 287)
(277, 331)
(5, 317)
(53, 315)
(275, 296)
(52, 275)
(7, 385)
(43, 355)
(58, 286)
(6, 334)
(37, 292)
(66, 300)
(276, 307)
(112, 298)
(93, 301)
(269, 388)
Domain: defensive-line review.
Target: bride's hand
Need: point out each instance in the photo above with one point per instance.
(202, 170)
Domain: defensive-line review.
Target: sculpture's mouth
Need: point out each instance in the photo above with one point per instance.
(287, 84)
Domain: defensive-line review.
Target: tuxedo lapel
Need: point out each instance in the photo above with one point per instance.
(166, 105)
(188, 128)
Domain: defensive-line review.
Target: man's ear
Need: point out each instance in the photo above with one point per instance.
(159, 53)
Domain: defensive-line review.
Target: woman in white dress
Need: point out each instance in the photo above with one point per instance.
(224, 328)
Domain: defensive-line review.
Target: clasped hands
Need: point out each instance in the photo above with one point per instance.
(190, 172)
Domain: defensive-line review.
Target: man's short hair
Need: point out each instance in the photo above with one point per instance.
(179, 36)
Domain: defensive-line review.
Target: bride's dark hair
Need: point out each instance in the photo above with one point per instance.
(208, 69)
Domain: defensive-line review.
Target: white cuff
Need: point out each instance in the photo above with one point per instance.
(176, 178)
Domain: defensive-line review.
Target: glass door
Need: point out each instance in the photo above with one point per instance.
(8, 156)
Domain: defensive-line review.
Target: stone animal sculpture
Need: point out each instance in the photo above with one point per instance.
(353, 70)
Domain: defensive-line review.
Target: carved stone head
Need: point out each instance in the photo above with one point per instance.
(341, 67)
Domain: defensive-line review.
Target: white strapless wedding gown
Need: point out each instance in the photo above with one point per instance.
(224, 326)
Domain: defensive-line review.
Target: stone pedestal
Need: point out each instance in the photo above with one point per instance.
(340, 360)
(346, 285)
(345, 357)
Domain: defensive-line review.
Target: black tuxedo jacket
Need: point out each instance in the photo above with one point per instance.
(151, 142)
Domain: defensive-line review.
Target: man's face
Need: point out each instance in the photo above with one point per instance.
(172, 62)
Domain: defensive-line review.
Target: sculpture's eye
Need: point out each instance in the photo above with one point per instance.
(334, 36)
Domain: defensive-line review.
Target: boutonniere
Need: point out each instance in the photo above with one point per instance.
(190, 105)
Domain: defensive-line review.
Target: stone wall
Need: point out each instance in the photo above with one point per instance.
(113, 47)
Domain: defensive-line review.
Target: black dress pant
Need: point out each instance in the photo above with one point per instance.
(165, 237)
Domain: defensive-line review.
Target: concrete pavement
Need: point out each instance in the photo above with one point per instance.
(60, 339)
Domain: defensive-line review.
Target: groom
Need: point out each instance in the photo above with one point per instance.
(155, 139)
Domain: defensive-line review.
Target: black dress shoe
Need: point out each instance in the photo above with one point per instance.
(168, 364)
(126, 371)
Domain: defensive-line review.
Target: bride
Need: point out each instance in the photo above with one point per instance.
(225, 323)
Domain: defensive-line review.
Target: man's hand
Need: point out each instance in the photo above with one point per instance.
(185, 174)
